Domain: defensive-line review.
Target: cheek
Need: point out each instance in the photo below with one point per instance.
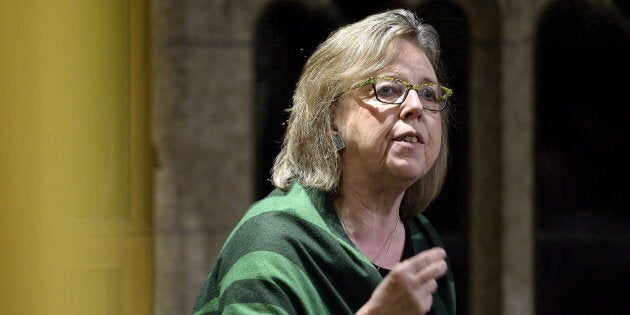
(366, 125)
(435, 134)
(372, 132)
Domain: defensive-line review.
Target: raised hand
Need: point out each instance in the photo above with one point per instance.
(409, 286)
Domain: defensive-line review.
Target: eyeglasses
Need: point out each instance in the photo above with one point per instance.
(390, 90)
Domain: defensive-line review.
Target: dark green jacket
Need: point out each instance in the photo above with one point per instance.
(290, 255)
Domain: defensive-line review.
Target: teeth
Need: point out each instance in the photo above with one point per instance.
(411, 139)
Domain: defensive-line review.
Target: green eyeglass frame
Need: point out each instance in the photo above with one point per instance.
(444, 94)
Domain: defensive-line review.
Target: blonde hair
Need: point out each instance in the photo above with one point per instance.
(308, 153)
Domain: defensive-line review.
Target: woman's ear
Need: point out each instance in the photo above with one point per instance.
(334, 130)
(334, 123)
(333, 126)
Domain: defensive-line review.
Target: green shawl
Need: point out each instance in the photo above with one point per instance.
(290, 255)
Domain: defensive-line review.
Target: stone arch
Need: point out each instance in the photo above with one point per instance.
(286, 33)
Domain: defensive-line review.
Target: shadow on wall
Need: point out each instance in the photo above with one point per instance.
(582, 224)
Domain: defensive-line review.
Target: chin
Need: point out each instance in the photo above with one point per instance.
(410, 174)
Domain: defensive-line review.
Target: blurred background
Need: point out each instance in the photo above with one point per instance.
(135, 133)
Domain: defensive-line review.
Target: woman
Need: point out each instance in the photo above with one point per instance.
(364, 153)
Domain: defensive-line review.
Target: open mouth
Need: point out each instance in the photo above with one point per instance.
(412, 139)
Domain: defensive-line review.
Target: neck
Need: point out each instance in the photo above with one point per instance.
(368, 209)
(373, 224)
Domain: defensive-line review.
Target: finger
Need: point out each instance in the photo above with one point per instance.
(430, 286)
(433, 271)
(424, 297)
(425, 303)
(425, 258)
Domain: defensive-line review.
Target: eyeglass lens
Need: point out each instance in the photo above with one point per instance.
(394, 92)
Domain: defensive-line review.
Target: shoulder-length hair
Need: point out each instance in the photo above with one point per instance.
(351, 53)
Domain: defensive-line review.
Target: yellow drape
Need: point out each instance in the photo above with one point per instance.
(75, 212)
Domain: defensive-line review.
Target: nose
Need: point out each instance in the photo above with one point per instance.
(411, 108)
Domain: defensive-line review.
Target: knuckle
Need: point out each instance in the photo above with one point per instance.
(397, 274)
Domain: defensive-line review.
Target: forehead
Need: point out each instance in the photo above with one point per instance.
(409, 63)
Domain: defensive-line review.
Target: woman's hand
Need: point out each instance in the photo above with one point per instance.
(408, 287)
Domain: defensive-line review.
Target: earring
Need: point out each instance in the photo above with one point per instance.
(339, 144)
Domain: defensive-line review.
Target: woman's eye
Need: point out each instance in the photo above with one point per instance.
(429, 93)
(388, 89)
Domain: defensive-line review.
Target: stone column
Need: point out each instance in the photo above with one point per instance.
(502, 161)
(485, 158)
(202, 109)
(517, 157)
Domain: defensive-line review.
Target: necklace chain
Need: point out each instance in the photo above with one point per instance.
(389, 245)
(391, 240)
